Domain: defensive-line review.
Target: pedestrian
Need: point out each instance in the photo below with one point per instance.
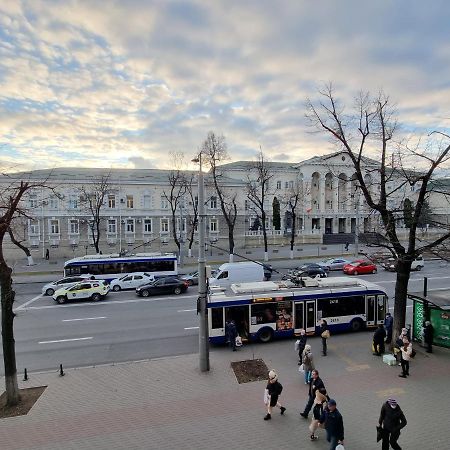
(346, 246)
(392, 420)
(319, 403)
(231, 333)
(406, 354)
(428, 334)
(378, 340)
(301, 342)
(399, 343)
(324, 334)
(315, 383)
(308, 363)
(273, 392)
(47, 254)
(334, 425)
(388, 325)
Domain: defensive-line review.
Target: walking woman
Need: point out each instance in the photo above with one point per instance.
(405, 353)
(273, 391)
(301, 345)
(324, 334)
(308, 363)
(319, 403)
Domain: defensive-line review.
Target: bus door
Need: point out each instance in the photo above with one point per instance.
(240, 315)
(216, 322)
(381, 308)
(371, 310)
(299, 316)
(310, 316)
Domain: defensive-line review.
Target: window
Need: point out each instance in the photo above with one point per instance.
(263, 313)
(286, 184)
(164, 203)
(216, 318)
(147, 201)
(278, 184)
(129, 226)
(33, 201)
(213, 202)
(130, 202)
(53, 202)
(164, 225)
(73, 202)
(291, 185)
(183, 224)
(223, 275)
(73, 226)
(54, 226)
(213, 225)
(34, 227)
(112, 226)
(342, 306)
(247, 204)
(111, 201)
(148, 226)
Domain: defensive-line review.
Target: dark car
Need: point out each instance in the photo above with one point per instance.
(307, 267)
(312, 272)
(167, 285)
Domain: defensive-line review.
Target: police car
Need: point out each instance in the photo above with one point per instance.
(94, 290)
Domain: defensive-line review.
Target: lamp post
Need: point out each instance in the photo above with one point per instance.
(203, 338)
(356, 197)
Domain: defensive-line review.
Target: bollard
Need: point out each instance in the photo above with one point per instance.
(25, 375)
(61, 371)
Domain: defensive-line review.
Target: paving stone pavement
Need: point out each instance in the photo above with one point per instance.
(168, 404)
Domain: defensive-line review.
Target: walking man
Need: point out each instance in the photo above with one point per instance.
(428, 334)
(324, 334)
(388, 325)
(392, 420)
(334, 425)
(47, 254)
(315, 384)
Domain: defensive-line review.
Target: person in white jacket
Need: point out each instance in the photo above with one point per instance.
(406, 352)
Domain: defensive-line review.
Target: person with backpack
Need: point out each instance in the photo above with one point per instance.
(334, 425)
(300, 345)
(273, 392)
(391, 421)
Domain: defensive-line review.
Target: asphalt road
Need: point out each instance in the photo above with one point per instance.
(125, 327)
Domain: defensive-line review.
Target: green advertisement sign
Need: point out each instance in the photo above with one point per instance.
(418, 321)
(441, 323)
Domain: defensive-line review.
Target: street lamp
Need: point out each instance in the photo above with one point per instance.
(203, 338)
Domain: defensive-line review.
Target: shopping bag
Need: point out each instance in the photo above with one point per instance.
(238, 341)
(297, 345)
(301, 368)
(266, 397)
(340, 447)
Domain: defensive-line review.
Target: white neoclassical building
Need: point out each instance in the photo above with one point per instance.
(136, 214)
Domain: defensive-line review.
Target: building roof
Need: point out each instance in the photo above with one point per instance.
(248, 165)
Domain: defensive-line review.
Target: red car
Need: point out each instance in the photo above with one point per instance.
(359, 267)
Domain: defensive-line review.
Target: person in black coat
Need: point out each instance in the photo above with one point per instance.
(315, 384)
(428, 334)
(231, 333)
(324, 333)
(274, 389)
(301, 345)
(388, 326)
(378, 340)
(334, 425)
(392, 420)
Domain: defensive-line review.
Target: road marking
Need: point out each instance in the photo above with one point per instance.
(85, 318)
(66, 340)
(28, 302)
(186, 310)
(191, 328)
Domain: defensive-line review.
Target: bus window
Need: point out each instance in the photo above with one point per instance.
(264, 313)
(299, 316)
(381, 309)
(342, 306)
(216, 317)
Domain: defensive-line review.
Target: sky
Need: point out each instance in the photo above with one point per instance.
(125, 83)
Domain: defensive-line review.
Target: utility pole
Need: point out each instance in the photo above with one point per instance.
(203, 332)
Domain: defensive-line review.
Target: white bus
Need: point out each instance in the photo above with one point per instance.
(266, 310)
(109, 267)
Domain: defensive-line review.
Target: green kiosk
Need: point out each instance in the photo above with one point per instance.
(434, 307)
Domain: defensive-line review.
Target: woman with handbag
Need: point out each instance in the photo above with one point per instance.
(308, 363)
(324, 334)
(273, 391)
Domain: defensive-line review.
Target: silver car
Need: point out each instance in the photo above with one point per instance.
(334, 264)
(50, 288)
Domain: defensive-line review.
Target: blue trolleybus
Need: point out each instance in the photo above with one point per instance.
(267, 310)
(109, 267)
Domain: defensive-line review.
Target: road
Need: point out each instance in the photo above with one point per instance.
(125, 327)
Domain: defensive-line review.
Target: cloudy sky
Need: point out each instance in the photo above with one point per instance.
(123, 83)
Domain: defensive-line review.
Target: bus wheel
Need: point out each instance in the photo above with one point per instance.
(356, 325)
(96, 297)
(177, 291)
(265, 335)
(116, 288)
(61, 299)
(51, 291)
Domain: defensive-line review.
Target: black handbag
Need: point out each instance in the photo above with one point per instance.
(379, 434)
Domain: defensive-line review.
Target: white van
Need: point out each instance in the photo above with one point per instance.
(240, 272)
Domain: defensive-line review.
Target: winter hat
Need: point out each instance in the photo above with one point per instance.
(307, 348)
(331, 402)
(273, 375)
(392, 402)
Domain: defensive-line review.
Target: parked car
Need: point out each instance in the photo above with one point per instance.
(131, 281)
(307, 266)
(50, 288)
(334, 264)
(191, 278)
(167, 285)
(391, 264)
(360, 267)
(310, 271)
(94, 290)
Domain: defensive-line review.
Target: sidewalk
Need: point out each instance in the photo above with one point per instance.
(168, 404)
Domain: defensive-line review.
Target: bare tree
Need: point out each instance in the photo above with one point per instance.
(174, 195)
(373, 126)
(92, 199)
(18, 242)
(11, 208)
(215, 151)
(192, 212)
(258, 191)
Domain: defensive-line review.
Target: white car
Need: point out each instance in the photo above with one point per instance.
(50, 288)
(131, 281)
(94, 290)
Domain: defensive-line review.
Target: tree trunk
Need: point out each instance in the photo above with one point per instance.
(263, 224)
(401, 289)
(8, 342)
(30, 261)
(231, 240)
